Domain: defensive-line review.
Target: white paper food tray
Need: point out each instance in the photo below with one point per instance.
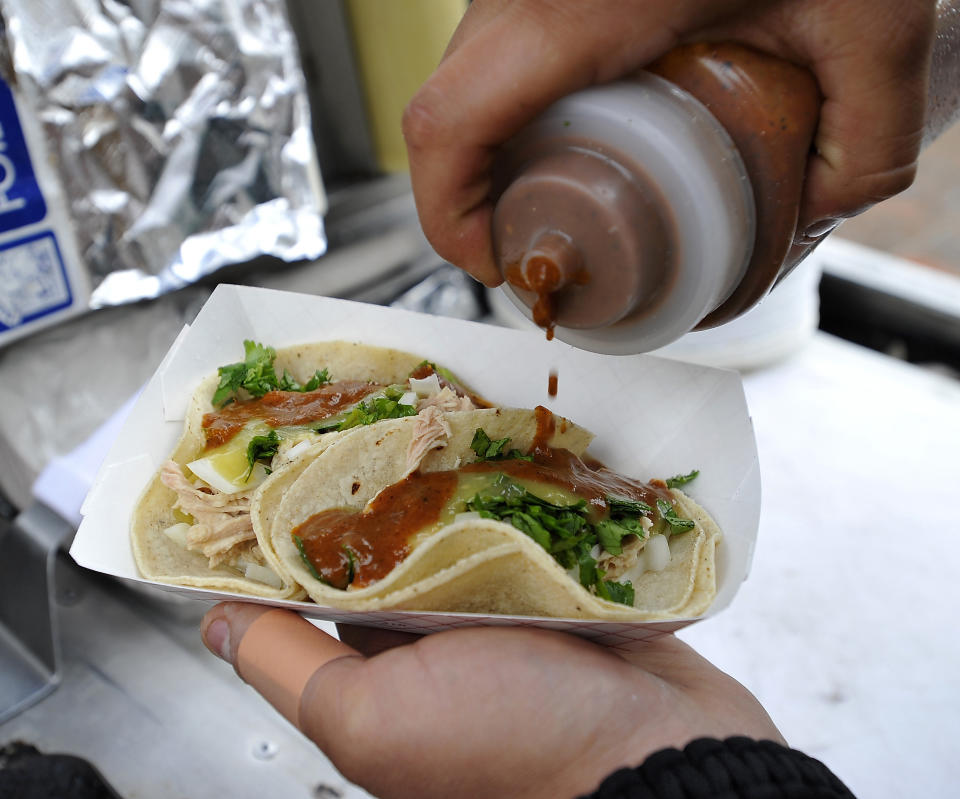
(652, 418)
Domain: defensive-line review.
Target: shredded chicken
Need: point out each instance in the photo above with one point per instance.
(617, 565)
(222, 525)
(446, 400)
(431, 430)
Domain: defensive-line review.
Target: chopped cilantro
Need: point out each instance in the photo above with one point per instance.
(255, 375)
(485, 447)
(320, 377)
(681, 479)
(616, 592)
(306, 561)
(489, 450)
(669, 514)
(261, 448)
(351, 564)
(621, 506)
(610, 533)
(288, 382)
(529, 524)
(387, 406)
(588, 570)
(568, 532)
(565, 531)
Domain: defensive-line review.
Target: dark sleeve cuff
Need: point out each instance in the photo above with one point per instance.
(737, 768)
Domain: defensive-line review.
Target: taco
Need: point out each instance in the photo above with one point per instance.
(507, 515)
(251, 428)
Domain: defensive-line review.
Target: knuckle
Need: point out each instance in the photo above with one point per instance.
(867, 190)
(888, 183)
(420, 122)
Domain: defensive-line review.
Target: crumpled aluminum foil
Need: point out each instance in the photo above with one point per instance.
(179, 131)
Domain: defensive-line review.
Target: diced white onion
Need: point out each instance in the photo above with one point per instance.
(657, 552)
(178, 533)
(428, 386)
(466, 516)
(409, 398)
(262, 574)
(297, 448)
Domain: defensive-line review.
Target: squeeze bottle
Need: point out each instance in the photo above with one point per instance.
(631, 213)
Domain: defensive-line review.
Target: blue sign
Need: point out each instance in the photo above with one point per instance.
(21, 202)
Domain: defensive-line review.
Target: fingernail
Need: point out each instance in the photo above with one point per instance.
(217, 638)
(820, 228)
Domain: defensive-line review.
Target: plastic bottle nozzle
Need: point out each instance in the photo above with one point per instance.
(552, 262)
(579, 239)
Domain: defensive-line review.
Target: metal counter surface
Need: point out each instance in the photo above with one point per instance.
(155, 713)
(845, 631)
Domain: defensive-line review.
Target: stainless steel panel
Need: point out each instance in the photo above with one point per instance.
(155, 713)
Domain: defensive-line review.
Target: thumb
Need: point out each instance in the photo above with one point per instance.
(276, 651)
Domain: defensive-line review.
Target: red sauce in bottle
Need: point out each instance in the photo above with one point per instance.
(770, 108)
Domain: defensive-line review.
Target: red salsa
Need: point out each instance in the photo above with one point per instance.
(283, 408)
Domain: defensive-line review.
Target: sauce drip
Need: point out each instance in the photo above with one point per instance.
(552, 383)
(544, 278)
(544, 306)
(379, 535)
(546, 426)
(283, 408)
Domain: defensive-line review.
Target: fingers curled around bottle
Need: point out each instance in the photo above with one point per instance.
(874, 85)
(507, 63)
